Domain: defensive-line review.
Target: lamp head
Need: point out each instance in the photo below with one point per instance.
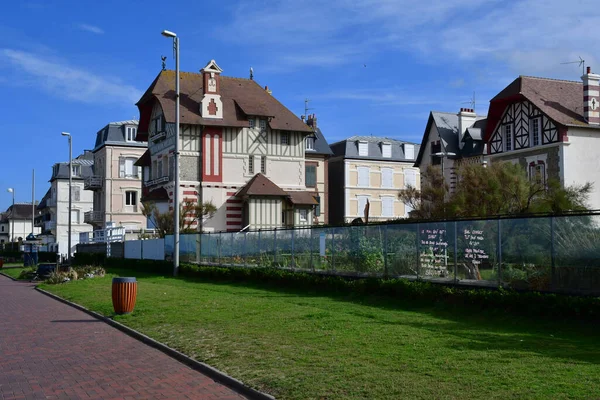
(10, 190)
(65, 134)
(169, 34)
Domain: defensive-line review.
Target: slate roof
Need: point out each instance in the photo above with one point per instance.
(86, 160)
(240, 97)
(114, 134)
(260, 185)
(302, 198)
(42, 203)
(560, 100)
(321, 146)
(21, 212)
(447, 127)
(349, 148)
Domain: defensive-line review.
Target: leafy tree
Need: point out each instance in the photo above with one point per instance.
(500, 189)
(188, 213)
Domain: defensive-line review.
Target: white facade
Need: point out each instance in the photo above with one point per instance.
(21, 227)
(82, 201)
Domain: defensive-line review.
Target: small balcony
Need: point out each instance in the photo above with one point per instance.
(93, 217)
(152, 182)
(159, 136)
(92, 183)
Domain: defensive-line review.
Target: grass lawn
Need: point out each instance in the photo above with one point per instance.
(14, 272)
(297, 345)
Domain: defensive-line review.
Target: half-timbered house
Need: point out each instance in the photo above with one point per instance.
(235, 139)
(550, 127)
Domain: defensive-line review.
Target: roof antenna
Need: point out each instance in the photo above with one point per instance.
(581, 63)
(164, 63)
(471, 102)
(251, 74)
(306, 107)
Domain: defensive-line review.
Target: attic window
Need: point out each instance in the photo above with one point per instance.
(386, 150)
(262, 125)
(252, 122)
(310, 143)
(76, 170)
(363, 148)
(130, 133)
(409, 151)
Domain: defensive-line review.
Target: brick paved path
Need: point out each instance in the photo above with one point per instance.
(49, 350)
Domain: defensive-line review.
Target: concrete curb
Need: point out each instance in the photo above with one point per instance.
(206, 369)
(8, 276)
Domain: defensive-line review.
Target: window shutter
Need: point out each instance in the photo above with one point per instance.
(410, 178)
(363, 176)
(121, 167)
(139, 172)
(387, 180)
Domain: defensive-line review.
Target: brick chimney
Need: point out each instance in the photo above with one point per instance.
(312, 121)
(466, 119)
(268, 90)
(591, 97)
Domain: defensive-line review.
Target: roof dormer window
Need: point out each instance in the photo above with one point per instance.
(130, 133)
(409, 151)
(386, 150)
(76, 169)
(363, 148)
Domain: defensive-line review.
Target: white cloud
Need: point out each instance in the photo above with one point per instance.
(62, 80)
(523, 36)
(91, 28)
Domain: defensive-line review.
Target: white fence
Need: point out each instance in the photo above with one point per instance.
(151, 249)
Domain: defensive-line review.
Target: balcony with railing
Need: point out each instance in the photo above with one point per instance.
(152, 182)
(108, 235)
(158, 136)
(92, 183)
(93, 217)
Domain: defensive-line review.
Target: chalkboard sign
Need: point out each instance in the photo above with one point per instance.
(434, 252)
(473, 246)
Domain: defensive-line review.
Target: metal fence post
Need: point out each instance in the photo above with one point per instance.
(385, 250)
(232, 247)
(310, 249)
(275, 247)
(293, 236)
(333, 249)
(418, 243)
(245, 251)
(552, 253)
(259, 250)
(455, 252)
(499, 252)
(219, 243)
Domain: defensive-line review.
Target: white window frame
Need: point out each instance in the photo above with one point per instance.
(262, 124)
(76, 169)
(251, 165)
(363, 148)
(75, 216)
(130, 133)
(389, 200)
(285, 138)
(131, 207)
(361, 183)
(413, 177)
(535, 133)
(390, 173)
(136, 172)
(310, 143)
(303, 215)
(386, 150)
(508, 133)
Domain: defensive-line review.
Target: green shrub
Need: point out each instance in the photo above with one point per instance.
(418, 292)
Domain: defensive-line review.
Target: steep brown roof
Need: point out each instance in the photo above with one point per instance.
(144, 160)
(560, 100)
(302, 197)
(260, 185)
(240, 97)
(21, 211)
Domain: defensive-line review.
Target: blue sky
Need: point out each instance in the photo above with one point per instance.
(368, 66)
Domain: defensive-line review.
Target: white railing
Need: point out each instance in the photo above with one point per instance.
(158, 136)
(107, 235)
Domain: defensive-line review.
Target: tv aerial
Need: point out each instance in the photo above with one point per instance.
(471, 102)
(581, 62)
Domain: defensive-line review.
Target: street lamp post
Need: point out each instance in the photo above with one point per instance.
(176, 190)
(12, 231)
(70, 188)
